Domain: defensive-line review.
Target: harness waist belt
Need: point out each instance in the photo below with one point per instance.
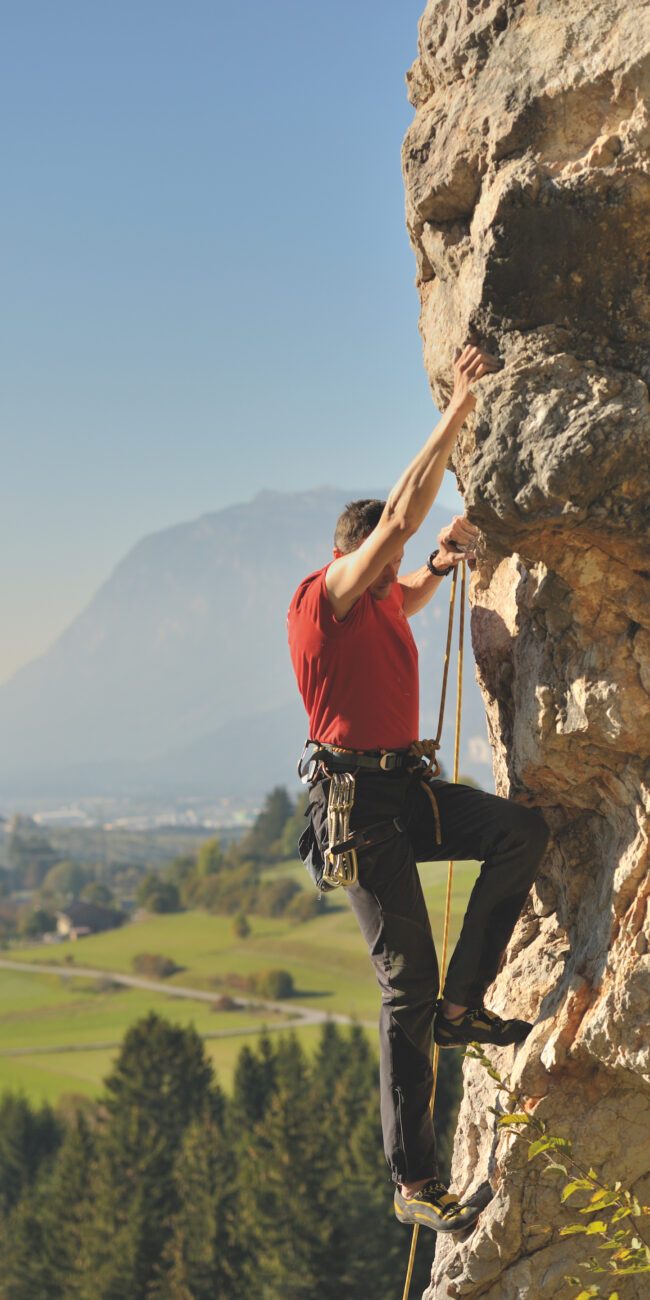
(343, 760)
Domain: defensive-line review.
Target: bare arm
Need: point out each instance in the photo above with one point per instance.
(417, 589)
(412, 496)
(453, 543)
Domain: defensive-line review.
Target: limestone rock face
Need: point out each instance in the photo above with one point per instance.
(527, 180)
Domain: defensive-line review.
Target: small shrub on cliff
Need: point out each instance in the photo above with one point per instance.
(620, 1220)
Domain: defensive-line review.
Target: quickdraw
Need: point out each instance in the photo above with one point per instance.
(341, 868)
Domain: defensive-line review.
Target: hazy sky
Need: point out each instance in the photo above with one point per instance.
(207, 282)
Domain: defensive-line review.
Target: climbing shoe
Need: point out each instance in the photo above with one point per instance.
(478, 1025)
(435, 1207)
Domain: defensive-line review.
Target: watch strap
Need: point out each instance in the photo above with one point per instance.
(438, 573)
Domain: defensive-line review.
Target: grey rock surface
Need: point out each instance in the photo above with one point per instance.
(527, 178)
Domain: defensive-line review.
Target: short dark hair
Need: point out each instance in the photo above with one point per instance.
(356, 523)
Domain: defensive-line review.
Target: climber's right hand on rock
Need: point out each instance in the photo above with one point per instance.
(470, 364)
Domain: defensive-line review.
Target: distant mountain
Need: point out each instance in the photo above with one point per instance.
(177, 675)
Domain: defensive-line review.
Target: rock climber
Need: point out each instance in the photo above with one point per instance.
(356, 664)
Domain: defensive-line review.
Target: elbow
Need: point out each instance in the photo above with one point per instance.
(400, 521)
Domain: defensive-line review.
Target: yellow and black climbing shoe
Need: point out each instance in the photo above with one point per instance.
(477, 1025)
(435, 1207)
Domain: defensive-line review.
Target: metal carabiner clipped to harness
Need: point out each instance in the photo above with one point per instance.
(308, 763)
(340, 868)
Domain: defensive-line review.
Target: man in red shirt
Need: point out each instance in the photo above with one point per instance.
(357, 669)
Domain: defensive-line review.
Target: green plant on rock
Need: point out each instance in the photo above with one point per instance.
(619, 1215)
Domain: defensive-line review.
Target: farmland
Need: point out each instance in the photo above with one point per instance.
(81, 1021)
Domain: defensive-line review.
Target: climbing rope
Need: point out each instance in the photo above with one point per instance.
(450, 870)
(429, 748)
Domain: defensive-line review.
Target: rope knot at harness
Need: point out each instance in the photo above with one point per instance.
(421, 749)
(427, 749)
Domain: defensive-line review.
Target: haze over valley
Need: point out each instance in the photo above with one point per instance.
(175, 680)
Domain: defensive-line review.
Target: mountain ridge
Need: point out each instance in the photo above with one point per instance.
(183, 643)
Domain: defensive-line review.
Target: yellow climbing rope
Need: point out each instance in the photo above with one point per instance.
(450, 872)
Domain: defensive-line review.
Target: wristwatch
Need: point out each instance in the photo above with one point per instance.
(438, 573)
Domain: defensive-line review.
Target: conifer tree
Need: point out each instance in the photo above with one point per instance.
(27, 1138)
(253, 1087)
(23, 1269)
(282, 1189)
(314, 1191)
(43, 1252)
(161, 1082)
(282, 1192)
(263, 841)
(202, 1258)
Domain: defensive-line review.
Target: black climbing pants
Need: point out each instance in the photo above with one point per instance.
(388, 902)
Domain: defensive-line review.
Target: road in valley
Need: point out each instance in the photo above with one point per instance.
(292, 1017)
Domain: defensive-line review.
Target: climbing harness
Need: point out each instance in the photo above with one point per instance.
(335, 758)
(341, 766)
(450, 871)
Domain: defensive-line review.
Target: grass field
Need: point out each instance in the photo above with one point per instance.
(326, 957)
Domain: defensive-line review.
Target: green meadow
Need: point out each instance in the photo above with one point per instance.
(81, 1021)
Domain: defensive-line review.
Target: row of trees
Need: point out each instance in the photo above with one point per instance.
(33, 865)
(235, 879)
(169, 1190)
(228, 879)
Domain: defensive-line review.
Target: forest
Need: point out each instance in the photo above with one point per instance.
(165, 1188)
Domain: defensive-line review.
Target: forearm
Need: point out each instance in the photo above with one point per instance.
(411, 499)
(417, 589)
(414, 493)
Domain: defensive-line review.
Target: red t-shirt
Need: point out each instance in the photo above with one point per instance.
(359, 678)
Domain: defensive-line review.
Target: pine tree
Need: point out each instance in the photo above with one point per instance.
(253, 1087)
(203, 1256)
(315, 1194)
(281, 1189)
(43, 1248)
(27, 1138)
(67, 1210)
(23, 1271)
(161, 1082)
(263, 841)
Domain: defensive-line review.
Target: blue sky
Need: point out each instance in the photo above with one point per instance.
(207, 281)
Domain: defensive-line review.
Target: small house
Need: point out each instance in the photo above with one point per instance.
(81, 919)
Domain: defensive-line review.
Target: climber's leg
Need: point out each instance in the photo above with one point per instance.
(509, 840)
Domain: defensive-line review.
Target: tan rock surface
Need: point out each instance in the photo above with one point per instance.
(527, 180)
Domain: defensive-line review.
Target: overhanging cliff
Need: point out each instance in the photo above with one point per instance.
(528, 198)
